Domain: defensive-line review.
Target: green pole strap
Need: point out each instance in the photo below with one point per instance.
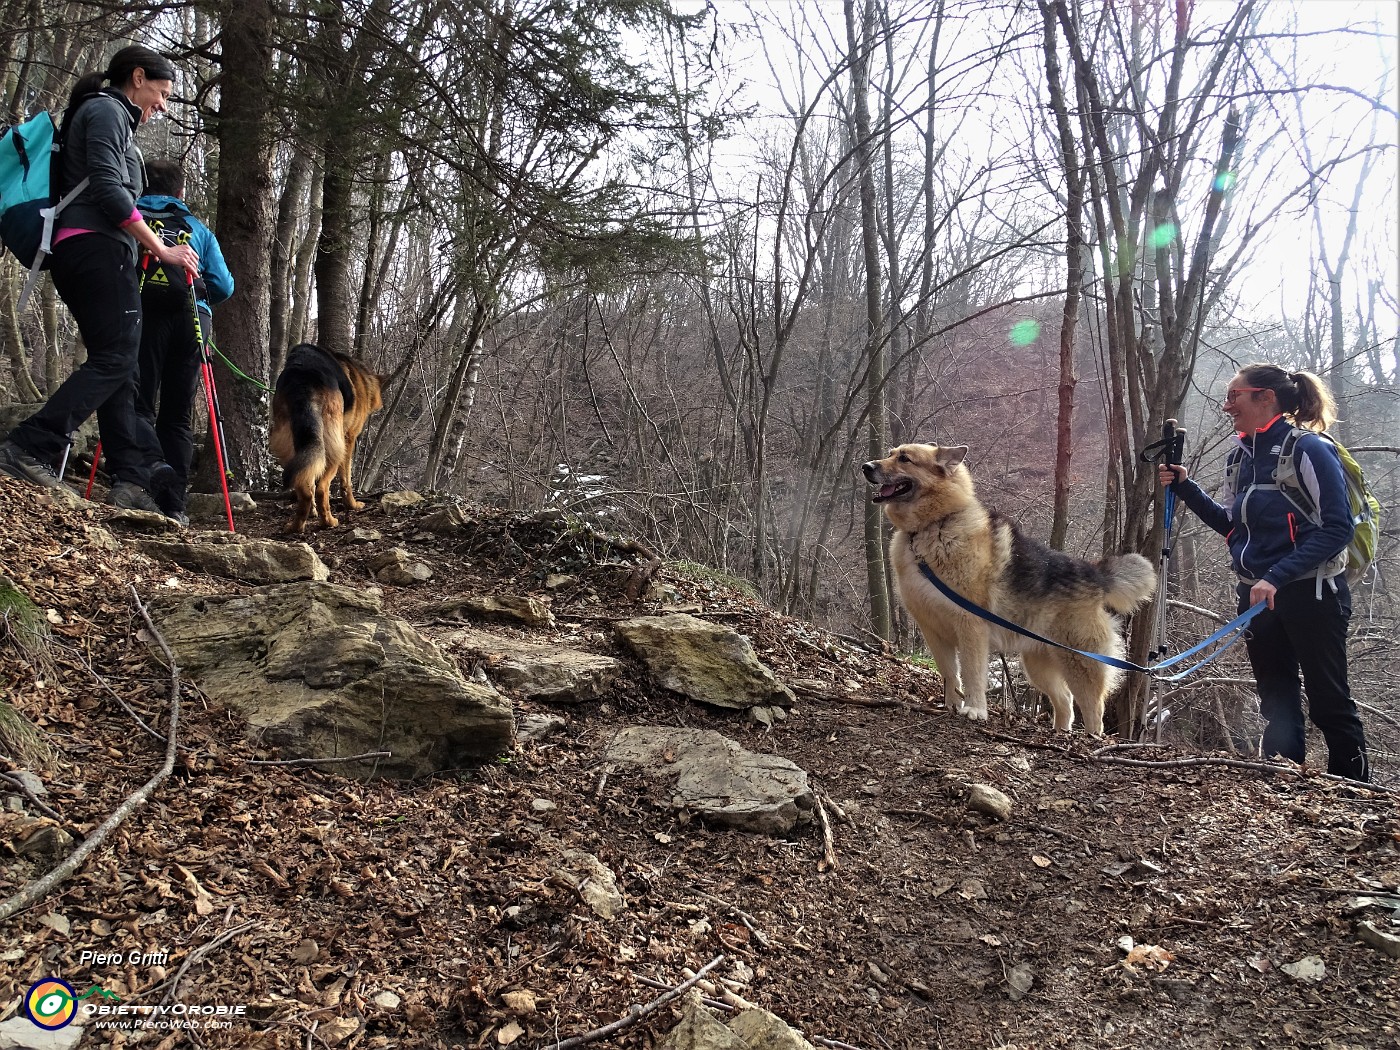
(238, 371)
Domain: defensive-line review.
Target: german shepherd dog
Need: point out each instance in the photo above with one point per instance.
(928, 496)
(320, 405)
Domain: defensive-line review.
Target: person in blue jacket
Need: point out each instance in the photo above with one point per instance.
(169, 360)
(99, 238)
(1287, 562)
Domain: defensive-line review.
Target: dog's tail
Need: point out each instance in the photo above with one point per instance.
(1129, 580)
(298, 440)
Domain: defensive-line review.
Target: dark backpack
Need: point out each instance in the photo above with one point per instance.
(164, 289)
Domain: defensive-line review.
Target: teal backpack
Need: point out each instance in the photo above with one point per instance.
(27, 208)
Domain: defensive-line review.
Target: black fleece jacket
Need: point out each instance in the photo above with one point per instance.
(100, 146)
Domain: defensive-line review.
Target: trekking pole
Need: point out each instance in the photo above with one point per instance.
(211, 398)
(92, 474)
(1173, 447)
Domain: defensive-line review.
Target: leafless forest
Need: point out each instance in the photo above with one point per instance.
(681, 268)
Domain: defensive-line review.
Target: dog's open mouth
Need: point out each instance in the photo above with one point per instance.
(893, 490)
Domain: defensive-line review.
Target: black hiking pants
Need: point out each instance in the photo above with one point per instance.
(96, 277)
(168, 385)
(1306, 634)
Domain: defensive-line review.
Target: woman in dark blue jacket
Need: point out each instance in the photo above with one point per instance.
(1287, 561)
(94, 271)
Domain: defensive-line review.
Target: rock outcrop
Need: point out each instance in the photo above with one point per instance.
(319, 670)
(539, 672)
(718, 779)
(702, 660)
(235, 557)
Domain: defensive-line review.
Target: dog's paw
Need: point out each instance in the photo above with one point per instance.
(975, 714)
(355, 504)
(330, 522)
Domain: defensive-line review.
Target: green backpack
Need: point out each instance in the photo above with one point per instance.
(1360, 553)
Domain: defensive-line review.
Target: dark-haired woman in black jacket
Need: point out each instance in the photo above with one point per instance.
(94, 266)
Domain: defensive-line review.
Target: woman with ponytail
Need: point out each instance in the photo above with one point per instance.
(94, 266)
(1286, 561)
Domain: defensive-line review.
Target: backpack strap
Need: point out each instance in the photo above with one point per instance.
(51, 213)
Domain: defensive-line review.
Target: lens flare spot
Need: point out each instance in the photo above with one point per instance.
(1161, 236)
(1024, 333)
(1225, 181)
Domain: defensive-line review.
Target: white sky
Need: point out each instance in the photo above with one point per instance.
(1275, 280)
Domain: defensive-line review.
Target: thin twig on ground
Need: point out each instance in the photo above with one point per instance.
(194, 957)
(828, 861)
(40, 888)
(637, 1013)
(43, 807)
(113, 693)
(743, 916)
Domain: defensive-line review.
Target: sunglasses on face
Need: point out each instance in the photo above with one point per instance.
(1231, 396)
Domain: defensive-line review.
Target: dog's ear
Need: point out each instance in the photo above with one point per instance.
(949, 456)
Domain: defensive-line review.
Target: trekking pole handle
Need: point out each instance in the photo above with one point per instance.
(1175, 437)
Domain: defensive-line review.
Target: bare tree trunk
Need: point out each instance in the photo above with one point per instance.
(877, 583)
(245, 224)
(334, 314)
(299, 325)
(24, 388)
(289, 210)
(1074, 278)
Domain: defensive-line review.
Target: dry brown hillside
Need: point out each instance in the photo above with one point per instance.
(390, 914)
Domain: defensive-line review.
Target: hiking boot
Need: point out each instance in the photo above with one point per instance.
(130, 496)
(20, 464)
(168, 493)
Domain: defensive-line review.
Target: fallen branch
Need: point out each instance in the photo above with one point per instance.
(1033, 744)
(714, 1004)
(315, 761)
(40, 888)
(636, 1013)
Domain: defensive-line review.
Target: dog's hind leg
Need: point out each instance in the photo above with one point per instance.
(346, 467)
(323, 500)
(303, 485)
(1045, 671)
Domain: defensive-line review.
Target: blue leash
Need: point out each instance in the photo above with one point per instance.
(1234, 630)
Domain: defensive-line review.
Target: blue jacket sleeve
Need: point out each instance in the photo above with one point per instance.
(1320, 472)
(217, 279)
(1213, 514)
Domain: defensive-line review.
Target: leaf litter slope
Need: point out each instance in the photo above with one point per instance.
(437, 913)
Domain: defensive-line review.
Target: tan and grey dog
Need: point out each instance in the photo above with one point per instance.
(928, 496)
